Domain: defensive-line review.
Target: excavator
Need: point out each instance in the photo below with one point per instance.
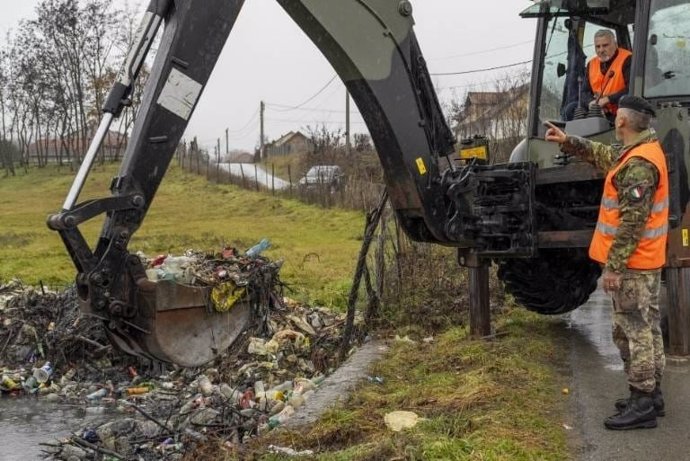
(532, 216)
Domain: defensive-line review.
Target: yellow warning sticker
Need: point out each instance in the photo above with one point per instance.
(421, 166)
(475, 152)
(686, 238)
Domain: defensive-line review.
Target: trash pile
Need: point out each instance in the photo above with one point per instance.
(49, 351)
(41, 328)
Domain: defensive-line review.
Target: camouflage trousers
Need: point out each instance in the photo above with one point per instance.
(637, 330)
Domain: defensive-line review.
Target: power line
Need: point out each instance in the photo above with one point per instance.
(245, 135)
(314, 109)
(289, 108)
(323, 122)
(475, 85)
(474, 53)
(252, 119)
(474, 71)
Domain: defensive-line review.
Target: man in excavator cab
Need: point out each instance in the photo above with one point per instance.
(607, 78)
(608, 73)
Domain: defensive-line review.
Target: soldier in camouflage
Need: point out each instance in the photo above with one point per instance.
(635, 292)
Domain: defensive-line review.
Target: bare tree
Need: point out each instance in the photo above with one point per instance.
(55, 72)
(500, 114)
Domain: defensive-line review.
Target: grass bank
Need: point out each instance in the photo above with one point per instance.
(319, 248)
(479, 400)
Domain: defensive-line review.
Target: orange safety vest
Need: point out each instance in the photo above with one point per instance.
(610, 83)
(650, 252)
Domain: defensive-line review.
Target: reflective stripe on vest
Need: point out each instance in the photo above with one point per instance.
(650, 252)
(603, 83)
(612, 204)
(648, 233)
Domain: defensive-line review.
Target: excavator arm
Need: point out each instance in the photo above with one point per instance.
(372, 46)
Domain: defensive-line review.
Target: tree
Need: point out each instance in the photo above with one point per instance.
(500, 115)
(55, 73)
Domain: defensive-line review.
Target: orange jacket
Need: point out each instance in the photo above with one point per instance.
(650, 252)
(610, 83)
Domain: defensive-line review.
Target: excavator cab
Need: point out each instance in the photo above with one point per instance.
(567, 190)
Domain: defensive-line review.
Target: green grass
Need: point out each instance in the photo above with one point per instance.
(489, 401)
(318, 247)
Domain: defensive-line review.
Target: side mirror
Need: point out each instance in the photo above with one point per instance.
(560, 70)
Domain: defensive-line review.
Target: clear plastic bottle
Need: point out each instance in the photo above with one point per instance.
(257, 249)
(43, 374)
(174, 268)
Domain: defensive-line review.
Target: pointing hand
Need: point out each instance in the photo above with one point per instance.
(554, 134)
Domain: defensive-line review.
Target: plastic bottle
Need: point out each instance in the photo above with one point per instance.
(99, 394)
(43, 374)
(280, 418)
(257, 249)
(30, 385)
(174, 268)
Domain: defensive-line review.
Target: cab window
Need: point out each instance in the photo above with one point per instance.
(667, 61)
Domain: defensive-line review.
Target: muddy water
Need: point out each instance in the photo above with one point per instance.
(24, 423)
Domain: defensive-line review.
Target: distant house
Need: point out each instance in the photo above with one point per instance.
(497, 114)
(52, 149)
(290, 143)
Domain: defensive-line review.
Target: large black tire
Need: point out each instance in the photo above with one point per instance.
(555, 282)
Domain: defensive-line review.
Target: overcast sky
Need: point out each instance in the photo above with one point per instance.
(267, 57)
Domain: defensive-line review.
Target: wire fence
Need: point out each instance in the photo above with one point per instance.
(356, 191)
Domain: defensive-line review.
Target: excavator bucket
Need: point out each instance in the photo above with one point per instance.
(177, 323)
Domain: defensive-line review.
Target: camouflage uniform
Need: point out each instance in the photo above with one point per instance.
(636, 318)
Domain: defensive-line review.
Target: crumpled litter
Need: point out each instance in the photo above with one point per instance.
(399, 420)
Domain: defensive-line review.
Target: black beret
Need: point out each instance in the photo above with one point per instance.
(637, 104)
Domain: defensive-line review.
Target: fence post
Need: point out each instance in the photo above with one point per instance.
(290, 178)
(273, 178)
(244, 183)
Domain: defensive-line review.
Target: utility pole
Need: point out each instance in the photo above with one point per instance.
(261, 145)
(218, 161)
(227, 142)
(347, 122)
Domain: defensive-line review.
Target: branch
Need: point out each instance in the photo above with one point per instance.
(105, 451)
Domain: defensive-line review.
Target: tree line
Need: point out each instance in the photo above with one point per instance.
(57, 68)
(55, 73)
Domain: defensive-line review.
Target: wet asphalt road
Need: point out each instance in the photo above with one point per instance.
(598, 380)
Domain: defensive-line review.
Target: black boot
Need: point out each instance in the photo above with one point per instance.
(622, 404)
(657, 397)
(638, 414)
